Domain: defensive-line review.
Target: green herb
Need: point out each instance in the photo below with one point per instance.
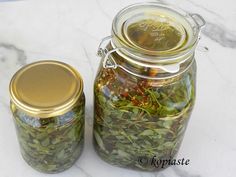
(51, 145)
(140, 118)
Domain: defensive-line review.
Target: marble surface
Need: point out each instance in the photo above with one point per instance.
(70, 31)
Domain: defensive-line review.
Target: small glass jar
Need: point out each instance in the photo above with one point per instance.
(47, 102)
(145, 88)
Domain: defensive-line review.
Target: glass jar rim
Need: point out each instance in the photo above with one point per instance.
(194, 21)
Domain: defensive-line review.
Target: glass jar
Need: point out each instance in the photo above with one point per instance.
(47, 102)
(145, 88)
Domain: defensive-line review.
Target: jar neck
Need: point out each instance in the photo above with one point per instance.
(152, 40)
(152, 67)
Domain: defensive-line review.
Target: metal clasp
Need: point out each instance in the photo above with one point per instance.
(101, 51)
(199, 20)
(104, 53)
(109, 62)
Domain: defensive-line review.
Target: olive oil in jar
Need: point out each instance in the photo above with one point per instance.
(47, 103)
(154, 35)
(144, 91)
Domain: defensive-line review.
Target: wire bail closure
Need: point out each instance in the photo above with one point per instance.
(199, 20)
(109, 62)
(104, 54)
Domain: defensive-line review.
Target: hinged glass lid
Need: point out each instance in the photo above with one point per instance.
(152, 36)
(155, 29)
(154, 32)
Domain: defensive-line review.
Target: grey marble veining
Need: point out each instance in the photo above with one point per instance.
(70, 30)
(9, 53)
(217, 31)
(83, 171)
(197, 4)
(220, 34)
(11, 58)
(214, 29)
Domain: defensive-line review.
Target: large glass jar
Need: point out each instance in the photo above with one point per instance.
(145, 88)
(47, 102)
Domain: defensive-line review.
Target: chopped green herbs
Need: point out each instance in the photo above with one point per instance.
(51, 145)
(137, 118)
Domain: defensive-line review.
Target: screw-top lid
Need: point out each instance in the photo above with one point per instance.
(46, 88)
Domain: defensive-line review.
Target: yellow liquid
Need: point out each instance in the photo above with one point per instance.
(154, 35)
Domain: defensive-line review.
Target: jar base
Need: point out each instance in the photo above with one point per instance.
(150, 168)
(59, 170)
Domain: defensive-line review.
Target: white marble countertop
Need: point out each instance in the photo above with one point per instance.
(70, 31)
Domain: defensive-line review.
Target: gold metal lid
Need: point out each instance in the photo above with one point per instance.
(46, 88)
